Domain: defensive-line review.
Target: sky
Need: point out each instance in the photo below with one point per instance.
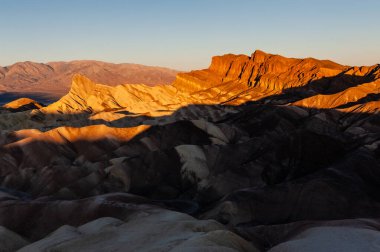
(185, 34)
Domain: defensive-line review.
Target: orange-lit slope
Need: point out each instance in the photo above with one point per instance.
(22, 104)
(230, 79)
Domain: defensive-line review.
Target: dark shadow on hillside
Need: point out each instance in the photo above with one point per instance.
(279, 164)
(315, 144)
(367, 98)
(324, 86)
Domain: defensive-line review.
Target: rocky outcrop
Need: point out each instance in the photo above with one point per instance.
(265, 71)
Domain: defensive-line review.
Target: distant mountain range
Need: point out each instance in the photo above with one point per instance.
(47, 82)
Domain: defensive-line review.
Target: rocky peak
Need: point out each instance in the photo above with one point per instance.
(259, 56)
(82, 85)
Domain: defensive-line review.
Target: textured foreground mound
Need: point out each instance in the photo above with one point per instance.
(252, 154)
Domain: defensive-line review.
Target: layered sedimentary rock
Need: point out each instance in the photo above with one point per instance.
(267, 71)
(264, 152)
(233, 80)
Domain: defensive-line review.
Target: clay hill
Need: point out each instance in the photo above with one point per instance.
(50, 81)
(255, 153)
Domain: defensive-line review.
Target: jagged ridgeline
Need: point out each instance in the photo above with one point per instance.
(255, 153)
(232, 80)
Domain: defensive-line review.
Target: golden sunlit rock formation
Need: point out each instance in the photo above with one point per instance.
(22, 104)
(230, 79)
(266, 153)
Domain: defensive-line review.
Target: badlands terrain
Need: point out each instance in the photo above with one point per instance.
(255, 153)
(48, 82)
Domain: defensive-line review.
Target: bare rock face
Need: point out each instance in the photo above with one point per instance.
(264, 152)
(266, 71)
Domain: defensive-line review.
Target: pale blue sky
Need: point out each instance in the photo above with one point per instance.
(184, 34)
